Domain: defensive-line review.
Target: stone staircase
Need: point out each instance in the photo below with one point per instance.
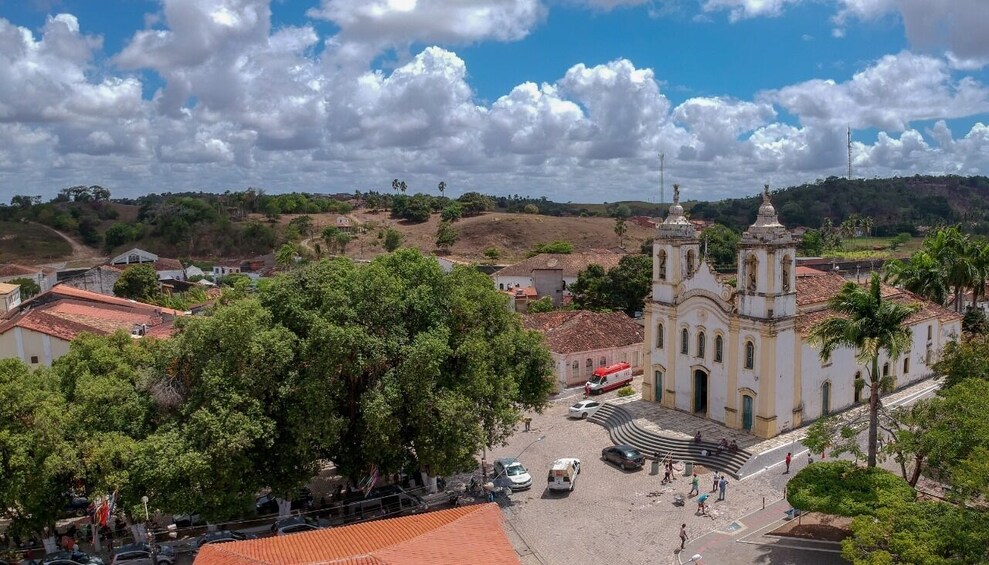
(624, 430)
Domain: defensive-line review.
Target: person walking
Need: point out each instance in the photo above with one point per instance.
(694, 486)
(714, 487)
(789, 457)
(528, 423)
(683, 536)
(722, 486)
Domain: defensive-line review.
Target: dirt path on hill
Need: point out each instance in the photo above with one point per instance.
(79, 251)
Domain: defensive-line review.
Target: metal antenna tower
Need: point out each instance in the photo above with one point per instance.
(849, 153)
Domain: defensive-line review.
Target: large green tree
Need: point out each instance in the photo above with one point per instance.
(139, 282)
(623, 287)
(870, 325)
(29, 287)
(37, 462)
(422, 368)
(721, 246)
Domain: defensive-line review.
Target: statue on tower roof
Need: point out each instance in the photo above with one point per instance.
(676, 193)
(765, 193)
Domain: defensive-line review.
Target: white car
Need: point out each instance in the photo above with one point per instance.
(584, 409)
(517, 475)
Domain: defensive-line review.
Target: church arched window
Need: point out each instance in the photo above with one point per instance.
(749, 355)
(684, 341)
(751, 276)
(661, 259)
(719, 349)
(659, 336)
(701, 344)
(690, 262)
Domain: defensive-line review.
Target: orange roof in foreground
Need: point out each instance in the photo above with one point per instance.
(468, 534)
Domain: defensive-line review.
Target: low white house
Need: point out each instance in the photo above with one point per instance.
(166, 268)
(582, 341)
(564, 267)
(10, 297)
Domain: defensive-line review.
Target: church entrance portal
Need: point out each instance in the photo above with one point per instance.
(700, 391)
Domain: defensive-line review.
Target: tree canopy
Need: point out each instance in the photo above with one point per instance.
(138, 282)
(624, 287)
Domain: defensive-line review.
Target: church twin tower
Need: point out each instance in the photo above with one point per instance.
(710, 340)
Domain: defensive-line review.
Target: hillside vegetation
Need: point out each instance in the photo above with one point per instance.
(210, 226)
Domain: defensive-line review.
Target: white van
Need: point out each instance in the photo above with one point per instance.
(563, 474)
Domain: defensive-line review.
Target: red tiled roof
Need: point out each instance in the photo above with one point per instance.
(571, 263)
(165, 264)
(929, 310)
(12, 270)
(575, 331)
(458, 536)
(65, 312)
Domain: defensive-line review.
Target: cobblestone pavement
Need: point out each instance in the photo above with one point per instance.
(611, 516)
(629, 517)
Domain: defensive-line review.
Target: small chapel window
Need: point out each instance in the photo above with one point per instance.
(786, 274)
(701, 344)
(690, 262)
(719, 348)
(659, 336)
(684, 341)
(661, 259)
(749, 355)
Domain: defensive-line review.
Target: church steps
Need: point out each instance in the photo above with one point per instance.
(623, 430)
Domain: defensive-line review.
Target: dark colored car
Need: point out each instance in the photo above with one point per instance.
(268, 503)
(140, 554)
(625, 456)
(74, 557)
(75, 504)
(223, 536)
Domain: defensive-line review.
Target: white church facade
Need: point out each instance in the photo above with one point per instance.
(737, 352)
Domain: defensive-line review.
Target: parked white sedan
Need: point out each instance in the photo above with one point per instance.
(584, 409)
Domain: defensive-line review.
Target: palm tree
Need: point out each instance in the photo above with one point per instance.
(871, 325)
(922, 274)
(442, 187)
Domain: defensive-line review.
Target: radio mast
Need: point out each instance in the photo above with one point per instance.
(849, 152)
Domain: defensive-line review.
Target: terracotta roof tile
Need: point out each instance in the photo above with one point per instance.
(65, 312)
(928, 311)
(571, 263)
(575, 331)
(12, 270)
(165, 264)
(468, 534)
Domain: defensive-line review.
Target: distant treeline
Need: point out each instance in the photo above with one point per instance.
(896, 205)
(237, 223)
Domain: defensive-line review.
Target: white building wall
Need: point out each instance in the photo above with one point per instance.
(510, 282)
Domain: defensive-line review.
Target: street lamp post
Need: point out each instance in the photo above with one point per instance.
(152, 546)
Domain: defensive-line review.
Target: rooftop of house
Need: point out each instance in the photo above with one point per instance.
(6, 288)
(14, 270)
(571, 263)
(815, 288)
(467, 534)
(65, 312)
(579, 330)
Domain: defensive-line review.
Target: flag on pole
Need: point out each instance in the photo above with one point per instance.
(368, 482)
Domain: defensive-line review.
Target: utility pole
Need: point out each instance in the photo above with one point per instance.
(849, 152)
(662, 181)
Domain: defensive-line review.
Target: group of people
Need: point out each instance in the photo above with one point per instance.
(723, 445)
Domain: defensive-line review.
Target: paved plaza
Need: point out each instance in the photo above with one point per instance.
(614, 516)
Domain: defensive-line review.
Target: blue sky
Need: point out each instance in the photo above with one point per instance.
(571, 99)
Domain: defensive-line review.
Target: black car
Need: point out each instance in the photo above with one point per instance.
(625, 456)
(223, 536)
(268, 503)
(75, 504)
(74, 557)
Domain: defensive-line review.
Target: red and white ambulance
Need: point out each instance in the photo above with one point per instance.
(608, 378)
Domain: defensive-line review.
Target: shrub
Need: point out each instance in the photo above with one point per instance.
(626, 391)
(844, 489)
